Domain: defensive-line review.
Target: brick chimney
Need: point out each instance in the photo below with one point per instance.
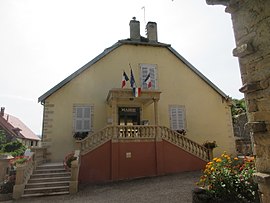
(2, 113)
(135, 29)
(151, 31)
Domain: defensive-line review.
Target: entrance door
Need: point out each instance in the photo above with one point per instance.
(129, 116)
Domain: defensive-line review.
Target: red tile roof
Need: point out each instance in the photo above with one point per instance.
(13, 123)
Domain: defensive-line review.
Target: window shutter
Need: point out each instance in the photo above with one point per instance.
(144, 72)
(177, 117)
(153, 76)
(83, 119)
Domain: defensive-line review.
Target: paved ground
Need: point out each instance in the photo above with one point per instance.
(165, 189)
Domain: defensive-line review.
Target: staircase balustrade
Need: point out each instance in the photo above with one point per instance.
(184, 143)
(141, 132)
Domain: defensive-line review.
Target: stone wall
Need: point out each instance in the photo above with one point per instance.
(251, 23)
(242, 135)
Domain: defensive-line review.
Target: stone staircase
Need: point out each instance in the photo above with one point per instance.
(48, 179)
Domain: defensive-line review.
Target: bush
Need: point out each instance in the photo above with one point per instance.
(230, 179)
(15, 148)
(8, 185)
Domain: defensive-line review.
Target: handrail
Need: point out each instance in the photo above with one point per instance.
(184, 143)
(94, 140)
(125, 132)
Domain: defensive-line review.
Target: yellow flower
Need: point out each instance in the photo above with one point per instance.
(212, 169)
(214, 159)
(218, 160)
(235, 158)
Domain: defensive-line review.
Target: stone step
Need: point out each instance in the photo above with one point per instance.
(43, 194)
(50, 166)
(51, 170)
(46, 190)
(47, 184)
(50, 179)
(50, 175)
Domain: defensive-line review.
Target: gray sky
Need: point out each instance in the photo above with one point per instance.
(44, 41)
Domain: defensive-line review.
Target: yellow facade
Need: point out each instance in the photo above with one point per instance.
(207, 112)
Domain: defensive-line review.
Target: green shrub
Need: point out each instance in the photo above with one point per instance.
(3, 139)
(230, 179)
(15, 148)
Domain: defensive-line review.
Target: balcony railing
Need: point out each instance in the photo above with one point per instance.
(141, 132)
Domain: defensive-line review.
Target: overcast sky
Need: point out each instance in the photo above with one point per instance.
(44, 41)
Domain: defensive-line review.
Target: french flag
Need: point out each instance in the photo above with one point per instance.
(124, 79)
(137, 91)
(148, 81)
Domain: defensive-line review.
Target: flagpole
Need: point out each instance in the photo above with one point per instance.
(133, 76)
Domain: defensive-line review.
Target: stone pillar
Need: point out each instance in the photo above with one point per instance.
(4, 163)
(114, 112)
(114, 119)
(73, 185)
(156, 111)
(251, 23)
(19, 183)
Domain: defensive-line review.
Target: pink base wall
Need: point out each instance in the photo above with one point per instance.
(128, 160)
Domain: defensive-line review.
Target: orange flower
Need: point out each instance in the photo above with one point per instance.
(218, 160)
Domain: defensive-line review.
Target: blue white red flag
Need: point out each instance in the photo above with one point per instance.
(137, 91)
(124, 79)
(148, 81)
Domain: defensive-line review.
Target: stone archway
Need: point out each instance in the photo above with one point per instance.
(251, 23)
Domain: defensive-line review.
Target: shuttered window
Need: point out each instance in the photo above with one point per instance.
(177, 117)
(83, 118)
(145, 70)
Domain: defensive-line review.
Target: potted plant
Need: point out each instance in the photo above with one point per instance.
(68, 159)
(80, 135)
(210, 145)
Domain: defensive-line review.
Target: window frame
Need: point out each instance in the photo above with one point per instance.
(153, 75)
(83, 118)
(180, 122)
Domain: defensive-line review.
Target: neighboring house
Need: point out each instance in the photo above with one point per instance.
(14, 128)
(136, 136)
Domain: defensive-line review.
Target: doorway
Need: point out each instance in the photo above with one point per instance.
(129, 115)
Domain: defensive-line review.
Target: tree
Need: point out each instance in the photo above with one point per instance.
(3, 139)
(238, 107)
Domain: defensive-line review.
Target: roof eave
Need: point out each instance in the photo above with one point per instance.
(43, 97)
(198, 73)
(116, 45)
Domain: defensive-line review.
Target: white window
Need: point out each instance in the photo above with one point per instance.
(83, 118)
(145, 70)
(177, 117)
